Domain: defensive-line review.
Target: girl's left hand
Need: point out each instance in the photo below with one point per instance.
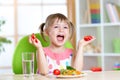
(86, 40)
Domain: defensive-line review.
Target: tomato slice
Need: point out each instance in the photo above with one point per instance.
(56, 72)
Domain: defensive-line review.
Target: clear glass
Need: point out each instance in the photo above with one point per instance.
(28, 63)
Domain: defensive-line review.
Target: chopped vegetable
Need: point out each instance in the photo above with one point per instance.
(70, 68)
(69, 71)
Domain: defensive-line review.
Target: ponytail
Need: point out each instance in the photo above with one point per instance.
(42, 30)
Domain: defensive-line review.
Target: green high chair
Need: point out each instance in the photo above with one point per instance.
(24, 46)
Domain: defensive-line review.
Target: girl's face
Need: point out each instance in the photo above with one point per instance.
(59, 33)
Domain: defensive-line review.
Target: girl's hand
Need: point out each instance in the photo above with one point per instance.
(86, 40)
(33, 40)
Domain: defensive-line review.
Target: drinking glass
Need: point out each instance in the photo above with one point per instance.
(28, 63)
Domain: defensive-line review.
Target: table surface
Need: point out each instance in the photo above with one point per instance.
(105, 75)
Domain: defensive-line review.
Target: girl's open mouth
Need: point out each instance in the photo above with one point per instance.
(60, 37)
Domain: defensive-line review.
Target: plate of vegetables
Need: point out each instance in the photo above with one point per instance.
(69, 72)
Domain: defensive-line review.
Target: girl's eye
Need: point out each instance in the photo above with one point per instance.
(56, 27)
(66, 27)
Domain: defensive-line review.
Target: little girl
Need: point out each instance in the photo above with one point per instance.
(59, 30)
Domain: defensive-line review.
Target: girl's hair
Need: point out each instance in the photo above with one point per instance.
(50, 21)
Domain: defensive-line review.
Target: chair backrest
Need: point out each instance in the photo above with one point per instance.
(24, 46)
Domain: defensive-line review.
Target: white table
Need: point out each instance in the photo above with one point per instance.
(106, 75)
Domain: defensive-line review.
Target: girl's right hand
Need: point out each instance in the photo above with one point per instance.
(33, 40)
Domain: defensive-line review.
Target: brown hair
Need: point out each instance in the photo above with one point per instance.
(50, 20)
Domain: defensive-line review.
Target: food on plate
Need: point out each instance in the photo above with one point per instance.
(56, 72)
(68, 71)
(70, 68)
(88, 37)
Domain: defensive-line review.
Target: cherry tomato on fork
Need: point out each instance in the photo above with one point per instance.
(87, 38)
(56, 72)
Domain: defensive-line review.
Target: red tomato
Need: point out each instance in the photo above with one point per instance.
(36, 40)
(33, 36)
(87, 38)
(96, 69)
(56, 72)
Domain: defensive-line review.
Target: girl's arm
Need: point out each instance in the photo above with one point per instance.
(78, 58)
(41, 59)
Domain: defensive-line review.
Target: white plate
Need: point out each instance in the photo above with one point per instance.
(71, 76)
